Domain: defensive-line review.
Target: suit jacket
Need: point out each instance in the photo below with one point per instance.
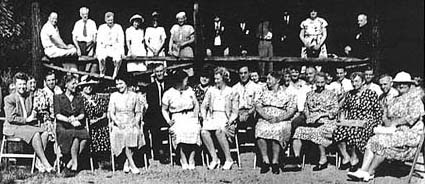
(154, 114)
(212, 33)
(13, 109)
(243, 39)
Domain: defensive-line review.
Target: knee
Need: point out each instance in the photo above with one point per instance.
(205, 133)
(219, 132)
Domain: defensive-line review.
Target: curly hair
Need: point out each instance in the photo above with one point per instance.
(224, 73)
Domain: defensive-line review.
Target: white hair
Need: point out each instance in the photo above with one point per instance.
(84, 9)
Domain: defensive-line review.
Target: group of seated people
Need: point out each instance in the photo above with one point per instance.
(366, 121)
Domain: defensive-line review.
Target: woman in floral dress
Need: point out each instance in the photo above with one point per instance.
(321, 109)
(359, 104)
(403, 116)
(96, 108)
(275, 107)
(126, 113)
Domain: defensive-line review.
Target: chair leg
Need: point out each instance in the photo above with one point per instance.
(237, 151)
(33, 163)
(171, 150)
(1, 149)
(145, 158)
(303, 164)
(91, 164)
(415, 160)
(255, 160)
(113, 162)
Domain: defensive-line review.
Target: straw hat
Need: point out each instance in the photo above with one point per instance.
(180, 15)
(136, 16)
(85, 80)
(403, 77)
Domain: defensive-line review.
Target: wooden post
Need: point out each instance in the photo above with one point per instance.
(36, 48)
(376, 39)
(198, 36)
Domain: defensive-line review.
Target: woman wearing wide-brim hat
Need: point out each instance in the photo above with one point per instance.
(400, 136)
(96, 107)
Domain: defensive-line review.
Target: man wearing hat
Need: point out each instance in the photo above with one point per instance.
(182, 36)
(155, 38)
(110, 44)
(135, 40)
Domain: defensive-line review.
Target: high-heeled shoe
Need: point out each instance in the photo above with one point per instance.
(320, 167)
(134, 170)
(227, 165)
(264, 168)
(191, 167)
(126, 168)
(40, 167)
(344, 166)
(275, 169)
(213, 165)
(185, 166)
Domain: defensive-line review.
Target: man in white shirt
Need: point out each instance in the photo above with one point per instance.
(342, 84)
(248, 93)
(369, 75)
(388, 92)
(84, 36)
(110, 43)
(53, 45)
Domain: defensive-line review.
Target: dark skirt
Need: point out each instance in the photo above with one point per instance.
(66, 133)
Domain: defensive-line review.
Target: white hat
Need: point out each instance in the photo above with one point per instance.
(180, 15)
(136, 16)
(86, 81)
(403, 77)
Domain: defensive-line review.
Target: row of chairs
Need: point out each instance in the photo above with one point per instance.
(205, 159)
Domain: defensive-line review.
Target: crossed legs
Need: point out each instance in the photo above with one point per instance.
(39, 143)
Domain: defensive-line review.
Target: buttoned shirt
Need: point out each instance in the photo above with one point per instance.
(47, 32)
(248, 94)
(78, 30)
(340, 87)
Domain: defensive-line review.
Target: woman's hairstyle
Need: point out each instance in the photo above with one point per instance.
(66, 79)
(357, 74)
(108, 15)
(20, 76)
(224, 73)
(320, 74)
(275, 74)
(178, 78)
(124, 76)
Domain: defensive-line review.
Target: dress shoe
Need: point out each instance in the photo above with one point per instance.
(134, 170)
(165, 161)
(320, 167)
(126, 168)
(264, 168)
(360, 175)
(275, 169)
(185, 166)
(191, 167)
(68, 173)
(213, 165)
(354, 168)
(227, 165)
(344, 166)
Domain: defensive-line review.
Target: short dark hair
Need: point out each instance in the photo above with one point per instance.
(359, 74)
(49, 73)
(340, 67)
(20, 76)
(293, 67)
(369, 68)
(243, 66)
(178, 77)
(275, 74)
(67, 78)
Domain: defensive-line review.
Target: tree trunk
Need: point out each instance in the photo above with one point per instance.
(36, 48)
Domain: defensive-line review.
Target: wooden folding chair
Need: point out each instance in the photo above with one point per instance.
(91, 158)
(415, 159)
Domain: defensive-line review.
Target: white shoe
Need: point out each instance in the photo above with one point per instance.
(369, 178)
(191, 166)
(135, 170)
(213, 165)
(126, 168)
(227, 165)
(40, 167)
(185, 166)
(359, 175)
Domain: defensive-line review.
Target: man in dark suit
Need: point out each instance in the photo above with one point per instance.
(285, 39)
(216, 39)
(243, 39)
(154, 119)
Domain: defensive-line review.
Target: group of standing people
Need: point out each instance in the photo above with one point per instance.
(109, 40)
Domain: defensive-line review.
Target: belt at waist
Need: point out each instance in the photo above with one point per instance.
(185, 111)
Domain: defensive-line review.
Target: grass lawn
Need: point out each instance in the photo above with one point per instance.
(158, 173)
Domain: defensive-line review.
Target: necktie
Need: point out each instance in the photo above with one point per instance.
(85, 29)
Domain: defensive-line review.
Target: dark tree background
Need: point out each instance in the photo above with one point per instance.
(401, 24)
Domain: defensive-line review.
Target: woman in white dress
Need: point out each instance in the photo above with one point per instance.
(135, 40)
(180, 109)
(219, 111)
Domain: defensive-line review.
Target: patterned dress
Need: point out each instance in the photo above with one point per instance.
(180, 34)
(125, 106)
(181, 105)
(402, 144)
(275, 104)
(95, 107)
(43, 106)
(318, 105)
(313, 32)
(359, 107)
(200, 92)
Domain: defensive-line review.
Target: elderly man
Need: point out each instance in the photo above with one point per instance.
(110, 43)
(313, 35)
(342, 84)
(182, 36)
(369, 75)
(84, 34)
(388, 91)
(53, 45)
(360, 42)
(248, 93)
